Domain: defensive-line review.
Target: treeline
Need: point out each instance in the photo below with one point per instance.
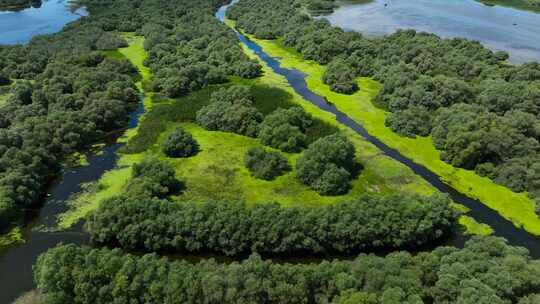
(483, 113)
(68, 95)
(367, 223)
(65, 101)
(487, 270)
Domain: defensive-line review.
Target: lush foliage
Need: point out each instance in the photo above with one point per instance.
(481, 111)
(231, 110)
(153, 178)
(485, 271)
(71, 102)
(265, 164)
(180, 143)
(327, 165)
(285, 129)
(340, 75)
(142, 223)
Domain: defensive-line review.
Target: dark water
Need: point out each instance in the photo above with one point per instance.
(497, 27)
(50, 17)
(16, 261)
(482, 213)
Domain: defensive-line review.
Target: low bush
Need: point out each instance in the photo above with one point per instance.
(327, 165)
(264, 164)
(340, 76)
(180, 143)
(285, 129)
(231, 110)
(153, 178)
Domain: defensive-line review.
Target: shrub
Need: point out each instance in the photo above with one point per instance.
(340, 76)
(231, 110)
(153, 178)
(410, 122)
(285, 129)
(180, 143)
(327, 164)
(264, 164)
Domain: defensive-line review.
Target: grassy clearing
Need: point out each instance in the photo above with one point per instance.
(516, 207)
(474, 227)
(218, 172)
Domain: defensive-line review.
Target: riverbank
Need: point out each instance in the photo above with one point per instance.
(218, 171)
(112, 181)
(516, 207)
(528, 5)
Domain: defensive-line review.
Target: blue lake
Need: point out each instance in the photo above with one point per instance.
(497, 27)
(50, 17)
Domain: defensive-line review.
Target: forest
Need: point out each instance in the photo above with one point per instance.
(481, 112)
(487, 270)
(72, 89)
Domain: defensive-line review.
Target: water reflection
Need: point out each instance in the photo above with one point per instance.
(19, 26)
(501, 28)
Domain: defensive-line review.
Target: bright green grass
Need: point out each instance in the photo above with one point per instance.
(13, 237)
(517, 207)
(4, 98)
(218, 172)
(474, 227)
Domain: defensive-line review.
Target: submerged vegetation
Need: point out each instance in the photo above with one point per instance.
(229, 159)
(302, 38)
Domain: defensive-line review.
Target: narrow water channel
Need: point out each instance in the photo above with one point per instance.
(16, 261)
(501, 226)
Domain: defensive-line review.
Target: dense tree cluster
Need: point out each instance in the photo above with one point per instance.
(327, 165)
(68, 94)
(152, 178)
(285, 129)
(482, 112)
(71, 102)
(205, 51)
(266, 164)
(231, 110)
(487, 270)
(340, 75)
(180, 143)
(149, 224)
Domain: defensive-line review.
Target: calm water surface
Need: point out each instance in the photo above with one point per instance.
(501, 28)
(21, 26)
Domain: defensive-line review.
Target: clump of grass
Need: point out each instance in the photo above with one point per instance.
(31, 297)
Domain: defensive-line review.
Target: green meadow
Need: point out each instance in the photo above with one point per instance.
(517, 207)
(218, 171)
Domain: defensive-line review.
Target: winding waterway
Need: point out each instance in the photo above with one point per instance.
(500, 28)
(16, 262)
(501, 226)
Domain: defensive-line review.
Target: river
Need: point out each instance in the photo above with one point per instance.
(16, 262)
(499, 28)
(49, 17)
(501, 226)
